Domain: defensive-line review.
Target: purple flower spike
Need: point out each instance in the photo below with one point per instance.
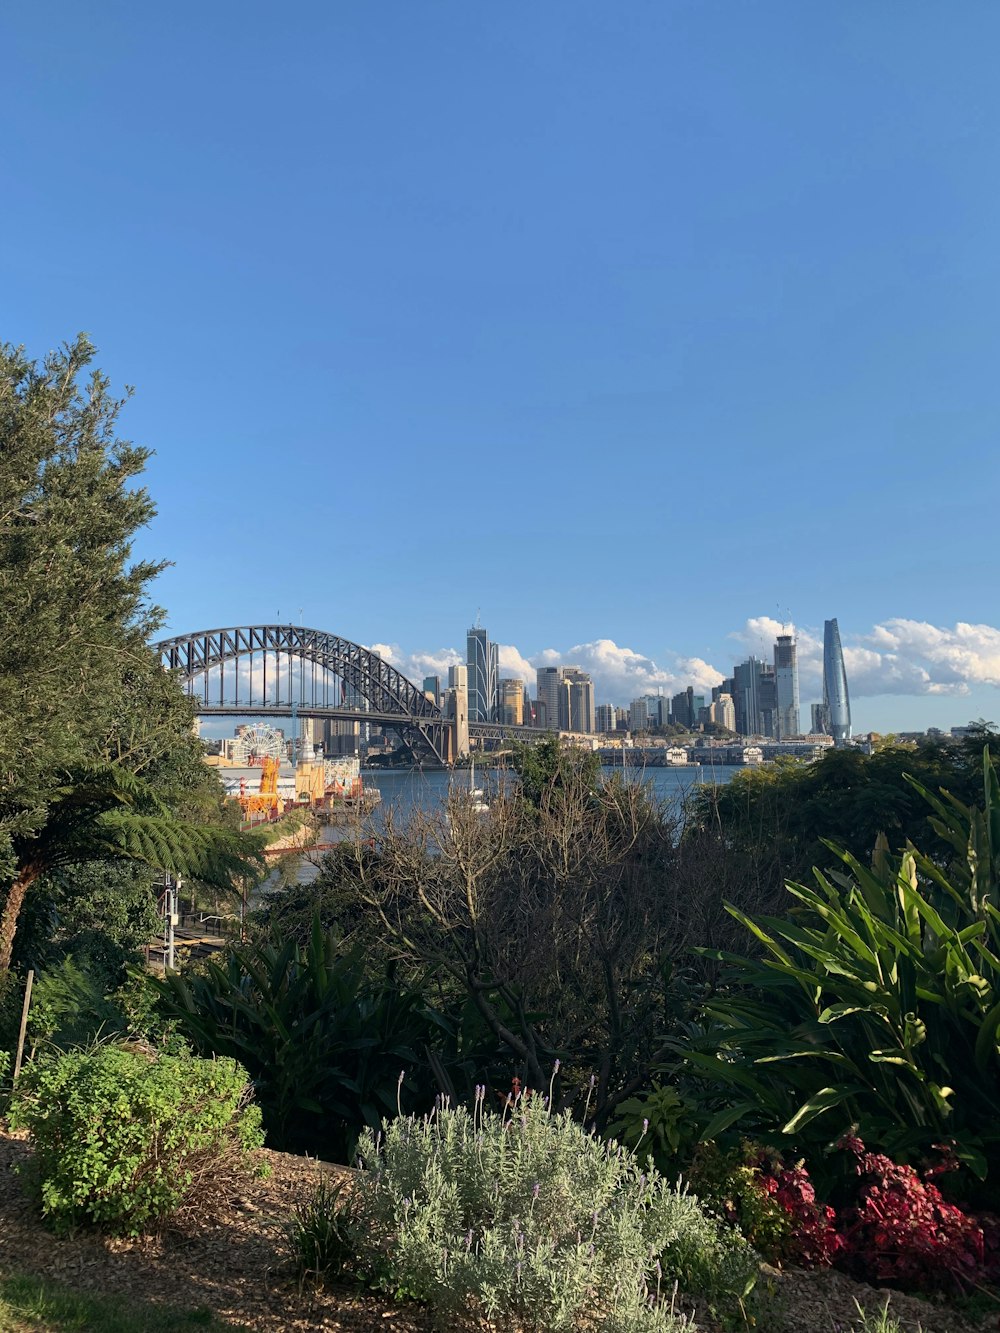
(536, 1189)
(645, 1126)
(555, 1067)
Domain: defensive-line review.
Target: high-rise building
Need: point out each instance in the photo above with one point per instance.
(481, 659)
(604, 717)
(820, 723)
(754, 698)
(547, 681)
(681, 708)
(582, 714)
(432, 688)
(638, 715)
(512, 701)
(786, 672)
(723, 713)
(836, 700)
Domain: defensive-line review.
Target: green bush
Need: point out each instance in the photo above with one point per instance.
(124, 1138)
(876, 1003)
(322, 1040)
(525, 1217)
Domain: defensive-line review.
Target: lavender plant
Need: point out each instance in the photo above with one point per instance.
(523, 1216)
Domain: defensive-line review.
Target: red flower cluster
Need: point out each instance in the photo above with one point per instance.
(902, 1230)
(814, 1239)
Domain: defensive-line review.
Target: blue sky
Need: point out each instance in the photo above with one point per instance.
(632, 325)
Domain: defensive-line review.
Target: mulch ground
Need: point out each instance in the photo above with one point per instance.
(237, 1264)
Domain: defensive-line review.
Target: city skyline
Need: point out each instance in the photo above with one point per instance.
(904, 675)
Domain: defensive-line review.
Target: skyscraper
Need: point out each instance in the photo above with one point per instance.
(755, 697)
(481, 659)
(786, 671)
(605, 717)
(547, 693)
(836, 700)
(512, 701)
(582, 715)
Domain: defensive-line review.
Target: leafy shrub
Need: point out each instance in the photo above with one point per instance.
(525, 1216)
(772, 1202)
(901, 1229)
(878, 999)
(124, 1138)
(663, 1121)
(322, 1040)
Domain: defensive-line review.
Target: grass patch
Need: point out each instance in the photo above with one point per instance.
(30, 1302)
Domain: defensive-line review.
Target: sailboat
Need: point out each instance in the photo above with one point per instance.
(477, 797)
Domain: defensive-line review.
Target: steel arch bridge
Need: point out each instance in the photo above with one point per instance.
(283, 670)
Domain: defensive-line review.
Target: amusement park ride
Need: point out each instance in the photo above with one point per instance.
(318, 784)
(262, 804)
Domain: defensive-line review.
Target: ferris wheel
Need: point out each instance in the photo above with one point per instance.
(259, 742)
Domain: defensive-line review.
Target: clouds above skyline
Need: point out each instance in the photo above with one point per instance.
(895, 657)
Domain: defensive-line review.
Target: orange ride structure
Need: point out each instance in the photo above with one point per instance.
(262, 804)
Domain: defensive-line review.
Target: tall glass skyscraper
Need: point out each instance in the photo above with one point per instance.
(481, 659)
(836, 700)
(786, 670)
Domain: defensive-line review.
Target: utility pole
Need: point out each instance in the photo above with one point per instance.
(170, 890)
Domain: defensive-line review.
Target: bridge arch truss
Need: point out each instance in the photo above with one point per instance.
(278, 670)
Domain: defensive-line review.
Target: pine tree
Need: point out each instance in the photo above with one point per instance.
(97, 759)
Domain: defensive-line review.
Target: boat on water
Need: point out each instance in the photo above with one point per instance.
(474, 796)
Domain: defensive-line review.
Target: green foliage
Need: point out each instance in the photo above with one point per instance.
(546, 766)
(879, 1322)
(324, 1042)
(100, 914)
(97, 759)
(324, 1233)
(124, 1138)
(72, 1007)
(774, 822)
(661, 1122)
(525, 1217)
(876, 1003)
(728, 1182)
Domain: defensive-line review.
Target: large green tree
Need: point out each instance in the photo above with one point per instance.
(97, 758)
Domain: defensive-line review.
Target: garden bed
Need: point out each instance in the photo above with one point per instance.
(235, 1263)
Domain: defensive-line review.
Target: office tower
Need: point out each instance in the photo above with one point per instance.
(723, 713)
(836, 700)
(547, 694)
(680, 708)
(820, 723)
(755, 698)
(432, 688)
(621, 719)
(512, 702)
(582, 714)
(604, 717)
(786, 671)
(458, 677)
(481, 659)
(576, 701)
(638, 715)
